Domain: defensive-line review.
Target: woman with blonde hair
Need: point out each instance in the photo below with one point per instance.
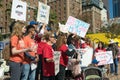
(47, 57)
(17, 49)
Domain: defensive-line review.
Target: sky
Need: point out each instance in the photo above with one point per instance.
(110, 9)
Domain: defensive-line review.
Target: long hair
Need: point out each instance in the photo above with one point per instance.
(60, 41)
(100, 43)
(17, 29)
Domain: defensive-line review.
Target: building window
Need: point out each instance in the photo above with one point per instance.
(1, 18)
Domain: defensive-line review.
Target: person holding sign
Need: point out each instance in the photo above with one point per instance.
(100, 48)
(114, 48)
(62, 47)
(47, 59)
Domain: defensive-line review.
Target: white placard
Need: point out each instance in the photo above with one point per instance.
(43, 13)
(77, 26)
(1, 72)
(104, 57)
(63, 28)
(33, 66)
(57, 61)
(86, 56)
(19, 10)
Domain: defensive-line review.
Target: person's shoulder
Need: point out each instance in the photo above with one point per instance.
(14, 37)
(64, 46)
(26, 38)
(46, 45)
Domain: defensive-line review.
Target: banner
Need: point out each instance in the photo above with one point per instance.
(77, 26)
(57, 61)
(43, 13)
(104, 57)
(86, 56)
(19, 10)
(63, 28)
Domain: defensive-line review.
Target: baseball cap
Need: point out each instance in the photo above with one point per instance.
(33, 23)
(48, 28)
(94, 61)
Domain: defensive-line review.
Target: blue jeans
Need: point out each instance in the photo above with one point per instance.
(27, 73)
(114, 66)
(15, 70)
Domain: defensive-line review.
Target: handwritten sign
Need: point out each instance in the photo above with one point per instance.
(18, 10)
(63, 28)
(86, 56)
(77, 26)
(43, 13)
(104, 57)
(57, 61)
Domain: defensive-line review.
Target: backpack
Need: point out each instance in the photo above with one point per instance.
(6, 52)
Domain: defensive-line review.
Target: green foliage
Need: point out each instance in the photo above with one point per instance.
(1, 3)
(63, 22)
(53, 17)
(113, 31)
(35, 13)
(103, 29)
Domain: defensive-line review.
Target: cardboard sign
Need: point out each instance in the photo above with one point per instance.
(104, 57)
(43, 13)
(63, 28)
(1, 72)
(86, 56)
(77, 26)
(19, 10)
(57, 61)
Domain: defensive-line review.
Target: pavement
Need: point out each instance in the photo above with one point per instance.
(111, 77)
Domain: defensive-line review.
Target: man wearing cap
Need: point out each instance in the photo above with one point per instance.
(34, 23)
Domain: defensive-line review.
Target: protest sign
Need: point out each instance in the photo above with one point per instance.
(104, 57)
(63, 28)
(1, 72)
(77, 26)
(18, 10)
(57, 61)
(86, 56)
(43, 13)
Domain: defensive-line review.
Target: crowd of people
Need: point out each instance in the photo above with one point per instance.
(32, 50)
